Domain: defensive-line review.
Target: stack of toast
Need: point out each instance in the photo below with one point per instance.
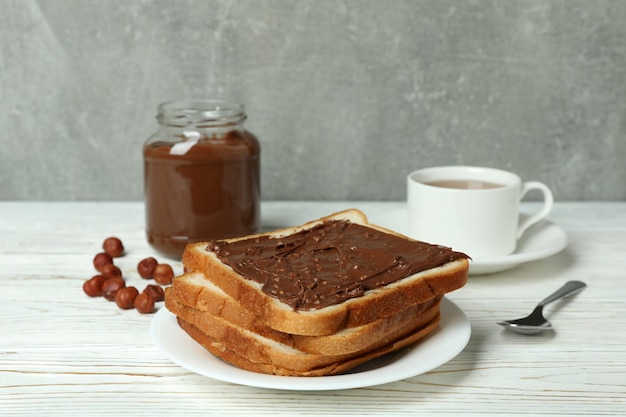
(313, 300)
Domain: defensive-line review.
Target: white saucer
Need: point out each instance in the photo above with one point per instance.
(539, 241)
(444, 343)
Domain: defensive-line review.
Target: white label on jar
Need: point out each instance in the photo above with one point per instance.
(191, 138)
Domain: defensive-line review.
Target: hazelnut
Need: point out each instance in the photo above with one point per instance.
(146, 267)
(113, 246)
(102, 259)
(111, 271)
(144, 303)
(163, 274)
(155, 292)
(93, 286)
(125, 297)
(111, 286)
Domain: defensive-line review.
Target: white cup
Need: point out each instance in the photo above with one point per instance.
(481, 222)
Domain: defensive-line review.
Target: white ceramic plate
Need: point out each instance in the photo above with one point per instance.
(443, 344)
(539, 241)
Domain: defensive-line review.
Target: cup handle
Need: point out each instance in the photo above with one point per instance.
(548, 202)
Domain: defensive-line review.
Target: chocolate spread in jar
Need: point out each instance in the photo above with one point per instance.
(211, 191)
(330, 263)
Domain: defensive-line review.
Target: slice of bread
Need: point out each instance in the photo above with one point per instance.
(379, 303)
(216, 303)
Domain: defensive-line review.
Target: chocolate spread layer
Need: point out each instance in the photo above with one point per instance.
(330, 263)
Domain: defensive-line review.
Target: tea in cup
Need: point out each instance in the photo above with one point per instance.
(475, 210)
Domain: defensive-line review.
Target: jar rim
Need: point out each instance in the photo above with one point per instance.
(205, 111)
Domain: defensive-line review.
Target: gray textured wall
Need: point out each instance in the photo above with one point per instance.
(346, 96)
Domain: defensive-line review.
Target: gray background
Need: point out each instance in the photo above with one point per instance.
(346, 97)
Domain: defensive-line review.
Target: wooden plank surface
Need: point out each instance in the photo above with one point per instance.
(63, 353)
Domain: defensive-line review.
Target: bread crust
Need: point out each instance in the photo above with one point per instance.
(344, 342)
(239, 352)
(375, 304)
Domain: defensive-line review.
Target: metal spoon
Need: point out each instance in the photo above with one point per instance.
(535, 322)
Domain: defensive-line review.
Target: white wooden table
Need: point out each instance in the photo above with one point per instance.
(62, 353)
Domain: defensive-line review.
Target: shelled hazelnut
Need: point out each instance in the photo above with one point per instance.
(93, 286)
(156, 292)
(113, 246)
(144, 303)
(146, 267)
(101, 259)
(111, 286)
(163, 274)
(111, 271)
(125, 297)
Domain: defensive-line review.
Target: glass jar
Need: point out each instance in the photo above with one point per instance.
(201, 175)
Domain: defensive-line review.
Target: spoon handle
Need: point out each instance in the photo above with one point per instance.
(570, 287)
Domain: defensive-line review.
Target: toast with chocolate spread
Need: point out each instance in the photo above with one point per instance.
(324, 276)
